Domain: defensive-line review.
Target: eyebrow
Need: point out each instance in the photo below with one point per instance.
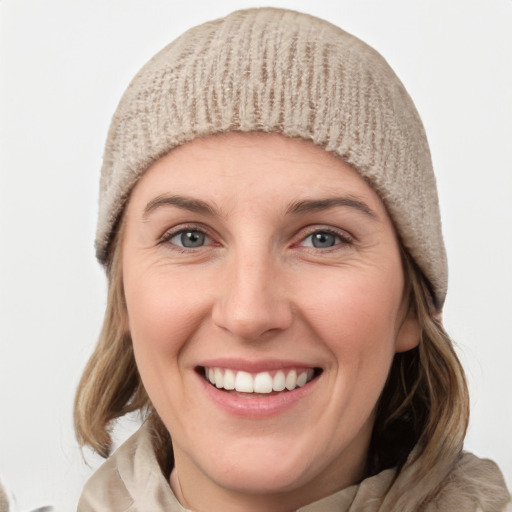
(295, 208)
(313, 205)
(183, 202)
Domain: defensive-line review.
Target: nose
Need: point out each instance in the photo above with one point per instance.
(252, 303)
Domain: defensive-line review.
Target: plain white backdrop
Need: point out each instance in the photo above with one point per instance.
(64, 65)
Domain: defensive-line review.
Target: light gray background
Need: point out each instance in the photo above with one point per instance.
(64, 65)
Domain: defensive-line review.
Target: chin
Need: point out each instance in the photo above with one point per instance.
(264, 478)
(264, 466)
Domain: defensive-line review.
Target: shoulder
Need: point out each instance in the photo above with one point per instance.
(106, 489)
(129, 481)
(473, 485)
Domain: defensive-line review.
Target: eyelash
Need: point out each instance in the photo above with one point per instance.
(343, 238)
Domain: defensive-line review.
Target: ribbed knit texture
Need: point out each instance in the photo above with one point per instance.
(275, 70)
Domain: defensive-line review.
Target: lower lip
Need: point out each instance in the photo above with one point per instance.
(257, 406)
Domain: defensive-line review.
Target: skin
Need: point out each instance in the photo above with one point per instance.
(258, 289)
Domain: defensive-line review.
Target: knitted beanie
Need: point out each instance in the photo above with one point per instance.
(280, 71)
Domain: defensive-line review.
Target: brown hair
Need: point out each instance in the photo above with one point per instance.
(423, 411)
(421, 419)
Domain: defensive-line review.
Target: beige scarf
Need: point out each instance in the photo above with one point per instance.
(131, 480)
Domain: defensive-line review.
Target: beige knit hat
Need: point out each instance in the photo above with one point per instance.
(274, 70)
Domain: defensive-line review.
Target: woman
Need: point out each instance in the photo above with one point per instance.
(270, 228)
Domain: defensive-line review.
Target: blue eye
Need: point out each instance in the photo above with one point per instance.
(323, 240)
(189, 239)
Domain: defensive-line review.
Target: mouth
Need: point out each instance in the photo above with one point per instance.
(266, 383)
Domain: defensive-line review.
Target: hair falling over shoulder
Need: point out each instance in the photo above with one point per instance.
(423, 411)
(110, 386)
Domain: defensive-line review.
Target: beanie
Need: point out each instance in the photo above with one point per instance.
(279, 71)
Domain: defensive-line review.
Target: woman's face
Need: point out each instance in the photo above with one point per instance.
(267, 265)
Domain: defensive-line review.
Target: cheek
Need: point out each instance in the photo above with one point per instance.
(357, 307)
(161, 310)
(164, 314)
(356, 318)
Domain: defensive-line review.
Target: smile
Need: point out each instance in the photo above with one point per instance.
(259, 383)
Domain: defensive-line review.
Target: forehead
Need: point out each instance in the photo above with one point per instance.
(244, 167)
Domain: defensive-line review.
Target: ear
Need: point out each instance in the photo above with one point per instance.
(408, 335)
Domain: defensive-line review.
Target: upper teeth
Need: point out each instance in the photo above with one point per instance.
(262, 382)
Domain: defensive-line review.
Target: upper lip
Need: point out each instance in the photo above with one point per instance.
(255, 366)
